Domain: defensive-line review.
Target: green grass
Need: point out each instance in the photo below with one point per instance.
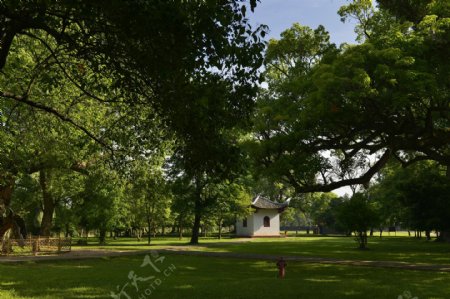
(389, 248)
(205, 277)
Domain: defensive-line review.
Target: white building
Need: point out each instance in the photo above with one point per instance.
(264, 221)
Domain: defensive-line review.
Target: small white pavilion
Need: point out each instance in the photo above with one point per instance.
(264, 221)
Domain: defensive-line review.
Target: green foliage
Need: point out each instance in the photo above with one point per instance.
(358, 215)
(148, 195)
(420, 194)
(323, 209)
(102, 207)
(276, 123)
(327, 113)
(180, 74)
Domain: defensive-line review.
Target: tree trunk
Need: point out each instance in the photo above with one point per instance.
(196, 228)
(220, 229)
(48, 206)
(102, 236)
(180, 227)
(7, 224)
(67, 229)
(444, 236)
(198, 209)
(6, 189)
(149, 233)
(362, 239)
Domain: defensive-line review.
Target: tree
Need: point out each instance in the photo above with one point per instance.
(163, 59)
(102, 205)
(327, 112)
(149, 195)
(421, 193)
(183, 68)
(231, 202)
(182, 206)
(321, 209)
(358, 215)
(35, 142)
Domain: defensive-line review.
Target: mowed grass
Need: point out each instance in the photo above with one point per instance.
(402, 249)
(217, 278)
(388, 248)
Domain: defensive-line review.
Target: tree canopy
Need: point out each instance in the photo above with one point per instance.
(332, 117)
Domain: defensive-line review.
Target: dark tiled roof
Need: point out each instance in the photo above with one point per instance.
(263, 203)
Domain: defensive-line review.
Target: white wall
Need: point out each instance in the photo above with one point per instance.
(244, 231)
(255, 224)
(258, 223)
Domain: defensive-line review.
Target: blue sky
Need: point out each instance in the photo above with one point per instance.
(281, 14)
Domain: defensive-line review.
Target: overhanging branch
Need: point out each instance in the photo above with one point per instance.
(362, 180)
(51, 110)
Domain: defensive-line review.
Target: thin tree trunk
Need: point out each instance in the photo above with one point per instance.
(445, 235)
(48, 204)
(220, 229)
(180, 227)
(102, 236)
(149, 234)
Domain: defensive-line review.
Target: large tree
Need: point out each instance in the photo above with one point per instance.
(34, 141)
(332, 118)
(156, 69)
(158, 53)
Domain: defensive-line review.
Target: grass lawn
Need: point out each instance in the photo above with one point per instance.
(206, 277)
(388, 248)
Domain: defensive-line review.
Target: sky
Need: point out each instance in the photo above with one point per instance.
(279, 15)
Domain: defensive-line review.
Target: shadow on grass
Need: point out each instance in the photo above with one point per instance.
(217, 278)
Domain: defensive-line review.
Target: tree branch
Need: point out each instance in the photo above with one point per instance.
(50, 110)
(411, 161)
(362, 180)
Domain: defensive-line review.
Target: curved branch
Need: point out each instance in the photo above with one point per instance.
(5, 45)
(411, 161)
(63, 69)
(362, 180)
(50, 110)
